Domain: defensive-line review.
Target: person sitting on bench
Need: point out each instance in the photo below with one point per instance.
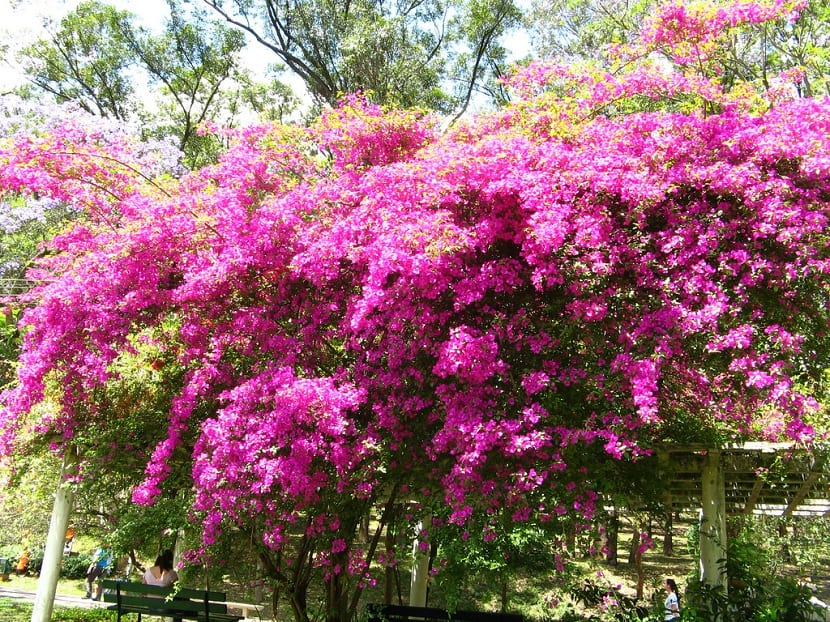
(161, 573)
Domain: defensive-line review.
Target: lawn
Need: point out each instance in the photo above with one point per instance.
(13, 610)
(16, 610)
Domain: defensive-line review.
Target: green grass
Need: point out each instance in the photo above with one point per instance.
(15, 610)
(12, 610)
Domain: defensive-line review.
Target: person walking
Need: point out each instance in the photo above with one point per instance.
(672, 604)
(101, 564)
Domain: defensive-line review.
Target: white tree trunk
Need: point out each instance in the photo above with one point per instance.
(47, 583)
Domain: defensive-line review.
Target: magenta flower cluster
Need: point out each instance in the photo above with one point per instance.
(375, 305)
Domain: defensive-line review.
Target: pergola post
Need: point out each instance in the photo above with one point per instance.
(420, 569)
(713, 522)
(668, 540)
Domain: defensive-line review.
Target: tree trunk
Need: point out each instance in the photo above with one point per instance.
(635, 546)
(389, 572)
(299, 601)
(786, 555)
(609, 540)
(638, 564)
(504, 592)
(259, 589)
(363, 530)
(53, 554)
(337, 590)
(668, 539)
(297, 593)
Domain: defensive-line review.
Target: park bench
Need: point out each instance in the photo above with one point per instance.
(179, 604)
(405, 613)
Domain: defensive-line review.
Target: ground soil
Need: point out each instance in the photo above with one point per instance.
(680, 565)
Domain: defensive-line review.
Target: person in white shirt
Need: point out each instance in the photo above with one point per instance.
(672, 601)
(162, 572)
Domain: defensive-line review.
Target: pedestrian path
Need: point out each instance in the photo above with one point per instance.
(60, 599)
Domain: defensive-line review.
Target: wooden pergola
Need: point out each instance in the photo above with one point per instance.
(777, 479)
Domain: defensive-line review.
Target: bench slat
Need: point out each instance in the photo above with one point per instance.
(172, 605)
(143, 588)
(191, 615)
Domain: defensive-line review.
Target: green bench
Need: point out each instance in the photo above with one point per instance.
(180, 604)
(405, 613)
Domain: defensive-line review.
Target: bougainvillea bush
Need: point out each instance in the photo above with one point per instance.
(371, 312)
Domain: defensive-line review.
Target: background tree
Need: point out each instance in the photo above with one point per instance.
(755, 53)
(87, 60)
(397, 53)
(114, 461)
(482, 59)
(30, 220)
(582, 29)
(270, 101)
(190, 62)
(99, 53)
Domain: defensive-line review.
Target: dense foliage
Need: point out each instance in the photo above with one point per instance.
(368, 311)
(434, 54)
(576, 29)
(101, 59)
(28, 222)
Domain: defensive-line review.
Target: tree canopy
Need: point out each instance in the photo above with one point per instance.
(423, 53)
(797, 40)
(86, 61)
(369, 311)
(102, 60)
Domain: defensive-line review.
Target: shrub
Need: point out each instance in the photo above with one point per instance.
(757, 591)
(35, 560)
(78, 614)
(74, 566)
